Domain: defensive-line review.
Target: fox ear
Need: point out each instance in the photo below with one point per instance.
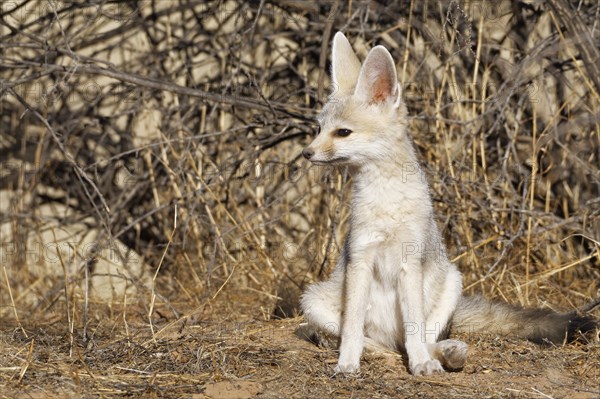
(377, 82)
(345, 66)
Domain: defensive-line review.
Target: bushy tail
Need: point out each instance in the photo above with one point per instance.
(475, 314)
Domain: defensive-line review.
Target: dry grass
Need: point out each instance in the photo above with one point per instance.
(173, 130)
(227, 345)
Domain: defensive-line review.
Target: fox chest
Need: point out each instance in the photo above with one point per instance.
(381, 226)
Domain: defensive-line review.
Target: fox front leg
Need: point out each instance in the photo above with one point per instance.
(411, 295)
(356, 294)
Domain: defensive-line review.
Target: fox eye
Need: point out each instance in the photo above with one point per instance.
(318, 129)
(343, 132)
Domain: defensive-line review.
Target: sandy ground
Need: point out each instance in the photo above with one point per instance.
(228, 350)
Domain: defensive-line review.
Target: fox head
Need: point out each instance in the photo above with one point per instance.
(364, 117)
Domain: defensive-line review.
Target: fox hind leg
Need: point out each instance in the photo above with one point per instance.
(442, 307)
(451, 353)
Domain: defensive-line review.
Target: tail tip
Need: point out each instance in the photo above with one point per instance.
(581, 326)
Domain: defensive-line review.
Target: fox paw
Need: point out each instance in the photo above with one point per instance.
(454, 353)
(428, 367)
(346, 368)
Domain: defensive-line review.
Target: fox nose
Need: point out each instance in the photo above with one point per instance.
(308, 153)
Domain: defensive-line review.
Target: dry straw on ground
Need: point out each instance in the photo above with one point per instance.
(157, 218)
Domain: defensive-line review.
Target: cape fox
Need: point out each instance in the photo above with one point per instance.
(393, 285)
